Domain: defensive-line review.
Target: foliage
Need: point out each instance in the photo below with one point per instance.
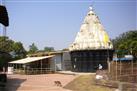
(10, 50)
(126, 43)
(6, 44)
(66, 49)
(48, 49)
(19, 50)
(4, 59)
(32, 48)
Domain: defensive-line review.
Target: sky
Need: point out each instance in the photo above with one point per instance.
(55, 23)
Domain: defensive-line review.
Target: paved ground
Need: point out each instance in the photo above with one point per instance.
(38, 82)
(76, 73)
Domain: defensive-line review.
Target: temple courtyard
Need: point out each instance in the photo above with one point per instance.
(44, 82)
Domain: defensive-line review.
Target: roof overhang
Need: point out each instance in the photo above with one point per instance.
(30, 59)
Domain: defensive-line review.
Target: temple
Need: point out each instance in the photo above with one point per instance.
(91, 46)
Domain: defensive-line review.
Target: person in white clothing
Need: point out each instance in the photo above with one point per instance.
(100, 66)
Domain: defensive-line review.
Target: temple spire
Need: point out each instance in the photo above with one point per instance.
(90, 8)
(91, 35)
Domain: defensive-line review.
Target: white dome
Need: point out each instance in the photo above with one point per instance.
(91, 35)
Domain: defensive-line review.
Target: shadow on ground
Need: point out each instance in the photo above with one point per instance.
(12, 84)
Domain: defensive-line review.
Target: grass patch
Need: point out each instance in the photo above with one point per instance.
(86, 83)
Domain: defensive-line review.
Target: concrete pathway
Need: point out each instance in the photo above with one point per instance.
(76, 73)
(38, 82)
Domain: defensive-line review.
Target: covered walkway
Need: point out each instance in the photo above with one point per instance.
(32, 65)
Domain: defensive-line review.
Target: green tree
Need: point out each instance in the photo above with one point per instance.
(6, 44)
(48, 49)
(126, 43)
(32, 48)
(19, 50)
(5, 48)
(66, 49)
(4, 59)
(133, 47)
(8, 49)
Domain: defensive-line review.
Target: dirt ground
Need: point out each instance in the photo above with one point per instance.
(38, 82)
(86, 83)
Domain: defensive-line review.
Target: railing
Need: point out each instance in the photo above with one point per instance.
(33, 71)
(125, 72)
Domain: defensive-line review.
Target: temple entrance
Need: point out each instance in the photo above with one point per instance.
(89, 60)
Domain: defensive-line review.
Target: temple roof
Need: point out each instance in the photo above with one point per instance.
(92, 34)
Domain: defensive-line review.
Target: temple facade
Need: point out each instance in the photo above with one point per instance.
(91, 46)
